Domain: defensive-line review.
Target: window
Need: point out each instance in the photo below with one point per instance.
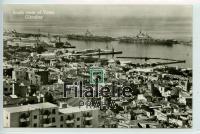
(35, 124)
(53, 111)
(35, 116)
(53, 119)
(78, 119)
(61, 118)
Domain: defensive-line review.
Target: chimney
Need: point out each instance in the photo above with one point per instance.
(63, 105)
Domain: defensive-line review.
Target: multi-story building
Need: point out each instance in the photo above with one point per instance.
(44, 76)
(34, 78)
(49, 115)
(78, 117)
(35, 115)
(19, 75)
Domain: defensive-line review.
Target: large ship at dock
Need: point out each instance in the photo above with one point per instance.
(144, 38)
(88, 36)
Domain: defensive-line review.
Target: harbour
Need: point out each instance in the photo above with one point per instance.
(92, 66)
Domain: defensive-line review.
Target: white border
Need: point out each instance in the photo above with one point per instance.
(196, 66)
(100, 1)
(196, 70)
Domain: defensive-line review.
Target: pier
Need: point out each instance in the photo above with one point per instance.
(97, 52)
(146, 58)
(171, 61)
(104, 53)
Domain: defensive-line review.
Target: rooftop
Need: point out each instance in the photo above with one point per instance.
(76, 109)
(29, 107)
(19, 109)
(44, 105)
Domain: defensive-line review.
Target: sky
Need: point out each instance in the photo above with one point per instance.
(103, 11)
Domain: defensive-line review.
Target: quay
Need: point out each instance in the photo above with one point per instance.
(104, 53)
(96, 52)
(146, 58)
(171, 61)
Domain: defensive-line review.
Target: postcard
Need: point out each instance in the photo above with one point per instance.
(97, 66)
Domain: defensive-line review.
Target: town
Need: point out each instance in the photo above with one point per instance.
(36, 71)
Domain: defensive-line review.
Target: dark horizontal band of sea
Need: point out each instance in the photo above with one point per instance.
(177, 52)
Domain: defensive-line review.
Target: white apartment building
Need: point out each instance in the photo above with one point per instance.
(78, 117)
(34, 115)
(50, 115)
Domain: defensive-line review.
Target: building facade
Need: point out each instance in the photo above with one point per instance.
(78, 117)
(35, 115)
(50, 115)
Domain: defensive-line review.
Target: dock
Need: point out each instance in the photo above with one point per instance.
(171, 61)
(96, 52)
(146, 58)
(167, 63)
(104, 53)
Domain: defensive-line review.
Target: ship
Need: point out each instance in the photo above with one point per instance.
(66, 44)
(88, 36)
(144, 38)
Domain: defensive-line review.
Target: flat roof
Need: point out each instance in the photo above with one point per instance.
(30, 107)
(76, 109)
(44, 105)
(19, 109)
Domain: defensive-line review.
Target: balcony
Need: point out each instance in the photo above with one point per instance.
(24, 119)
(88, 118)
(88, 126)
(47, 125)
(45, 116)
(69, 121)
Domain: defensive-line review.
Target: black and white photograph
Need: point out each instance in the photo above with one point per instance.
(97, 66)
